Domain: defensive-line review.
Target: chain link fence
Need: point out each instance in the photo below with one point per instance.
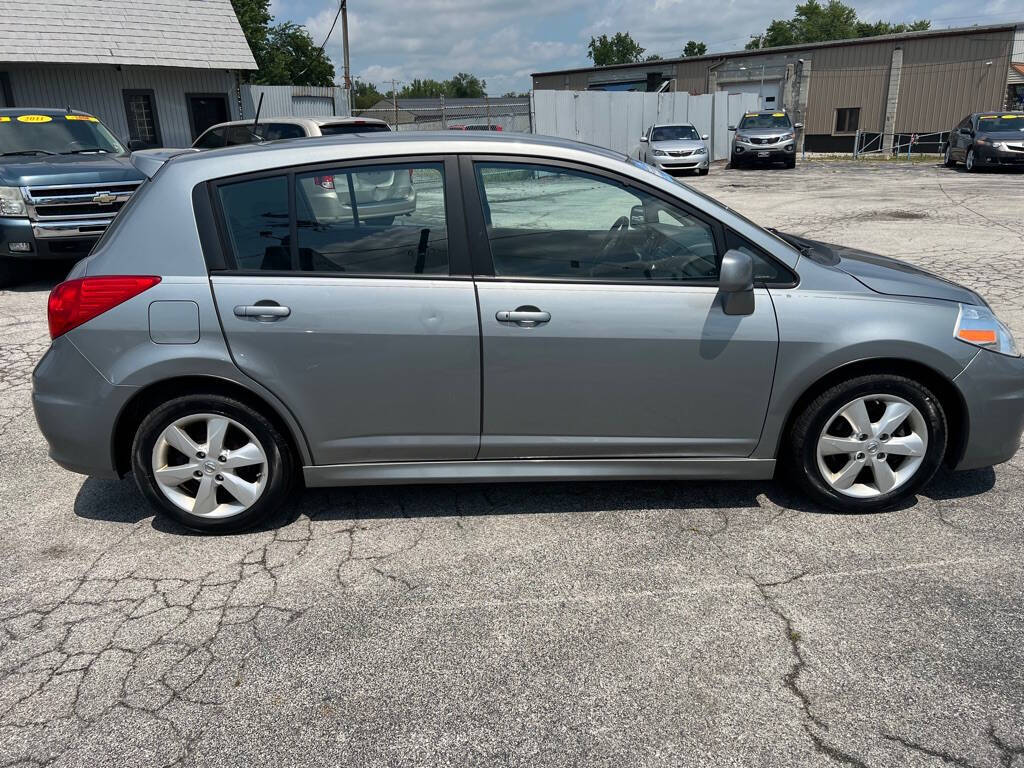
(453, 114)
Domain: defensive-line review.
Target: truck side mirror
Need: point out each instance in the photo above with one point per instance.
(736, 283)
(136, 144)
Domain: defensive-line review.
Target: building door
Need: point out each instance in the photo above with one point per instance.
(206, 109)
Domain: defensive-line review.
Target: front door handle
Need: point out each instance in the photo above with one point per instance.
(262, 311)
(524, 317)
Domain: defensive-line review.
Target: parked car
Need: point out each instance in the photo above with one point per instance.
(379, 196)
(552, 311)
(675, 147)
(764, 137)
(475, 127)
(986, 140)
(236, 132)
(63, 177)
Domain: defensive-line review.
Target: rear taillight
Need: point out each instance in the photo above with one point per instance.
(327, 182)
(78, 301)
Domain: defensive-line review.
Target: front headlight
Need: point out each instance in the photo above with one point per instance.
(700, 151)
(658, 152)
(980, 327)
(998, 145)
(11, 202)
(787, 137)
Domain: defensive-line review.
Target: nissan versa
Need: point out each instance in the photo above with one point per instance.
(549, 311)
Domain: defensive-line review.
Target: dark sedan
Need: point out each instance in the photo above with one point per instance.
(987, 139)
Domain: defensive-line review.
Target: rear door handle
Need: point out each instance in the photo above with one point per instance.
(525, 317)
(262, 311)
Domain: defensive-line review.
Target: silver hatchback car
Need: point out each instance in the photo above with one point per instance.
(550, 311)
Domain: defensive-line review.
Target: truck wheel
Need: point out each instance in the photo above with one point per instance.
(12, 272)
(867, 443)
(212, 463)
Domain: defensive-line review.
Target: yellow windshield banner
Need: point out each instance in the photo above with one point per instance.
(751, 114)
(778, 114)
(88, 118)
(5, 119)
(1010, 117)
(989, 117)
(34, 118)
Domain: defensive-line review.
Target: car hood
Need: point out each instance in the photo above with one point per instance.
(884, 275)
(762, 133)
(678, 144)
(66, 169)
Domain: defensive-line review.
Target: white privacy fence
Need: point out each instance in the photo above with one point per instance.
(616, 120)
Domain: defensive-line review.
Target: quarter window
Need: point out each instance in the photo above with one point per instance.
(554, 223)
(257, 222)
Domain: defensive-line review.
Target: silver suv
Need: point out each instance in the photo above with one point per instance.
(764, 137)
(551, 311)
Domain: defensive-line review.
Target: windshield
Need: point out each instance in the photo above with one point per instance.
(769, 120)
(55, 135)
(995, 123)
(337, 129)
(675, 133)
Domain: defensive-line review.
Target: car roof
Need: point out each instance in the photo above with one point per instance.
(766, 112)
(668, 125)
(303, 121)
(49, 111)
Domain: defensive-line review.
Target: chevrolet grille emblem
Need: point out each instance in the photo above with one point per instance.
(104, 198)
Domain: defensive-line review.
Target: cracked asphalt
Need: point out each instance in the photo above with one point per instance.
(639, 624)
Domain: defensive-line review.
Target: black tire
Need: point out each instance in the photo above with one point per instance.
(12, 272)
(947, 157)
(800, 453)
(734, 161)
(791, 162)
(703, 171)
(381, 221)
(971, 161)
(280, 461)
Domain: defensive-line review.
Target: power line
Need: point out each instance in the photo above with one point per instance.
(320, 50)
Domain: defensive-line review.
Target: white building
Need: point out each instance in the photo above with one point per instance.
(158, 71)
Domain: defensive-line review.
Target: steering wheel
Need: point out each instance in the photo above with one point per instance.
(612, 238)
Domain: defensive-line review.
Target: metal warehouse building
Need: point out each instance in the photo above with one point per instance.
(917, 82)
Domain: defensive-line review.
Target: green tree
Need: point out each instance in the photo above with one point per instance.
(653, 57)
(813, 22)
(695, 48)
(465, 86)
(365, 95)
(620, 48)
(284, 53)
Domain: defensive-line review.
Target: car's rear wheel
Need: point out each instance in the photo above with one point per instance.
(947, 157)
(865, 444)
(212, 463)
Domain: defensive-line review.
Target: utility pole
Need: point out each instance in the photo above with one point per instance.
(344, 34)
(394, 100)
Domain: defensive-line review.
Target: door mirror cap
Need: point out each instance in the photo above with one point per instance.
(732, 127)
(736, 283)
(798, 125)
(704, 137)
(136, 144)
(643, 138)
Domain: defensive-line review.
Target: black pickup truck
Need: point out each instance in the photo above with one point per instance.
(63, 177)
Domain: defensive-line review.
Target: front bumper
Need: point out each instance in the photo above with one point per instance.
(76, 409)
(47, 241)
(1010, 158)
(745, 151)
(688, 163)
(992, 386)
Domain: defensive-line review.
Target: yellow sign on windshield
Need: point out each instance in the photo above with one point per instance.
(88, 118)
(778, 114)
(5, 119)
(34, 118)
(751, 114)
(989, 117)
(1009, 117)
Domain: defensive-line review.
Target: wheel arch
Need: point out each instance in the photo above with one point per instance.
(148, 397)
(952, 402)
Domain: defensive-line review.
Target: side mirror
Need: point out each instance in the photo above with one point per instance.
(732, 127)
(135, 144)
(704, 137)
(736, 283)
(643, 138)
(640, 215)
(798, 125)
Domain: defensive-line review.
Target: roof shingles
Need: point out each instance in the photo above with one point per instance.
(203, 34)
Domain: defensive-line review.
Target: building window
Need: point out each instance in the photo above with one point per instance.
(847, 119)
(140, 110)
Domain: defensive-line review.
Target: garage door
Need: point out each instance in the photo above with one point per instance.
(768, 91)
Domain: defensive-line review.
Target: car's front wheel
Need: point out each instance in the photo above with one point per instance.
(703, 171)
(212, 463)
(865, 444)
(971, 163)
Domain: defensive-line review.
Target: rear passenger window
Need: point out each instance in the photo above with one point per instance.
(257, 222)
(373, 220)
(365, 220)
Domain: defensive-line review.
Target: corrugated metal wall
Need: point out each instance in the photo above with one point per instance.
(947, 78)
(98, 89)
(617, 119)
(848, 76)
(301, 101)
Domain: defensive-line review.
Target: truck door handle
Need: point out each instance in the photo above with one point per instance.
(524, 317)
(262, 311)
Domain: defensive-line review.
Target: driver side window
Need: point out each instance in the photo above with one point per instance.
(557, 223)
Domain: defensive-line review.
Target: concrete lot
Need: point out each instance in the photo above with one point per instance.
(627, 624)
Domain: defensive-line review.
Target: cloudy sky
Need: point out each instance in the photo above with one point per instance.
(503, 41)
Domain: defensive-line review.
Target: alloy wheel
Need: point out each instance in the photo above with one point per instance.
(872, 446)
(948, 159)
(209, 465)
(970, 160)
